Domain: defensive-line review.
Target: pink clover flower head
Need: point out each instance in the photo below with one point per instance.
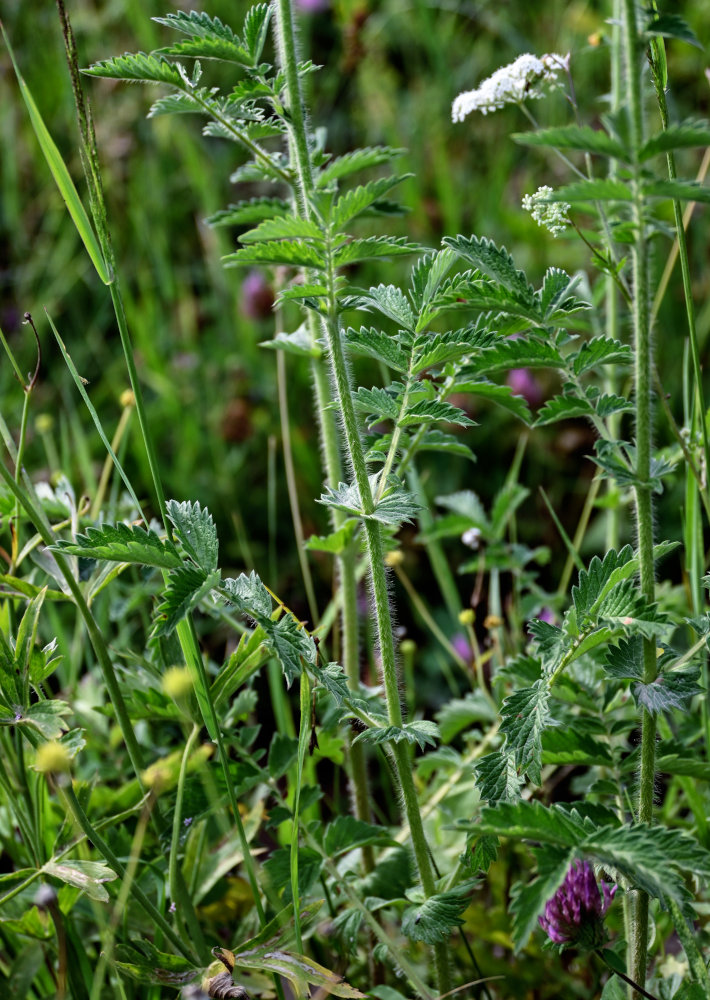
(574, 915)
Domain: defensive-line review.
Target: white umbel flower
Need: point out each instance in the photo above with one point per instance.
(551, 215)
(527, 77)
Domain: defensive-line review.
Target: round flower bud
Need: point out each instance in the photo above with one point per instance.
(127, 398)
(467, 616)
(177, 682)
(52, 758)
(394, 558)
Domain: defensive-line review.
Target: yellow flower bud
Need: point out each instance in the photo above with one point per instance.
(127, 398)
(394, 558)
(44, 423)
(492, 621)
(52, 758)
(467, 616)
(408, 647)
(177, 682)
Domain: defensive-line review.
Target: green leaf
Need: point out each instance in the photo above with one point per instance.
(427, 275)
(438, 348)
(497, 777)
(88, 876)
(564, 407)
(579, 137)
(502, 395)
(278, 868)
(186, 588)
(309, 295)
(565, 746)
(672, 689)
(394, 506)
(483, 853)
(256, 27)
(354, 203)
(494, 261)
(196, 531)
(528, 901)
(293, 252)
(420, 731)
(519, 353)
(671, 26)
(47, 717)
(120, 542)
(209, 38)
(379, 403)
(596, 582)
(431, 411)
(373, 247)
(336, 542)
(381, 346)
(601, 189)
(438, 441)
(246, 213)
(299, 342)
(249, 594)
(282, 754)
(437, 917)
(290, 644)
(677, 190)
(387, 299)
(559, 825)
(525, 714)
(461, 713)
(208, 48)
(345, 833)
(600, 351)
(284, 227)
(683, 135)
(138, 66)
(151, 966)
(61, 175)
(353, 162)
(180, 103)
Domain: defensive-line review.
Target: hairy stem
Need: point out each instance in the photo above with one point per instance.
(633, 45)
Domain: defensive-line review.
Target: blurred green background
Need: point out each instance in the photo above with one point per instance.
(390, 72)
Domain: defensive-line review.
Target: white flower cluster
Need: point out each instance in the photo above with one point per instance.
(552, 215)
(525, 78)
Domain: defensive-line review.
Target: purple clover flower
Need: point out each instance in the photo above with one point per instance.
(575, 913)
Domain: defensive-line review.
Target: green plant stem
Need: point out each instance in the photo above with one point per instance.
(633, 46)
(288, 58)
(178, 890)
(100, 844)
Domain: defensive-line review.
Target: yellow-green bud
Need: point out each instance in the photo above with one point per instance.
(177, 682)
(127, 398)
(52, 758)
(467, 616)
(44, 423)
(408, 647)
(394, 558)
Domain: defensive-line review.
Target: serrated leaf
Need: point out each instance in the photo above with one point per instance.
(256, 26)
(677, 190)
(345, 833)
(579, 137)
(246, 213)
(196, 531)
(427, 275)
(461, 713)
(563, 407)
(420, 731)
(597, 581)
(358, 159)
(672, 689)
(389, 300)
(436, 918)
(672, 26)
(47, 717)
(89, 876)
(550, 640)
(557, 825)
(519, 353)
(208, 48)
(120, 542)
(186, 588)
(284, 227)
(600, 351)
(336, 542)
(493, 261)
(381, 346)
(502, 395)
(438, 348)
(601, 189)
(178, 103)
(528, 901)
(309, 296)
(438, 441)
(249, 594)
(373, 247)
(432, 411)
(525, 714)
(683, 135)
(483, 853)
(138, 66)
(565, 746)
(393, 507)
(497, 777)
(377, 402)
(354, 202)
(292, 252)
(291, 645)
